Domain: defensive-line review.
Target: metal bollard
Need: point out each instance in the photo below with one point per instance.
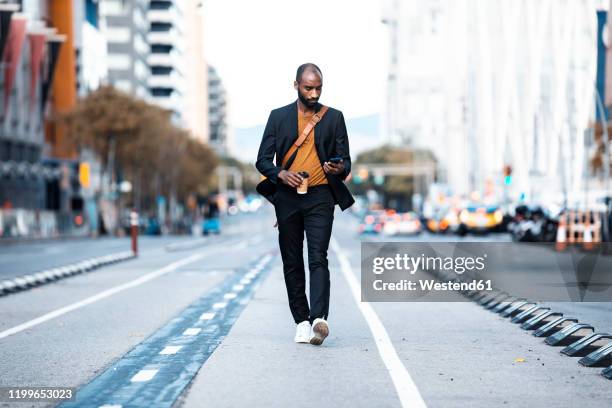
(134, 231)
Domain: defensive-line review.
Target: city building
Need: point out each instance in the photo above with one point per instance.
(196, 72)
(490, 84)
(29, 53)
(166, 59)
(219, 138)
(126, 28)
(90, 47)
(52, 51)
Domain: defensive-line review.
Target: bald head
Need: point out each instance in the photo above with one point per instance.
(308, 67)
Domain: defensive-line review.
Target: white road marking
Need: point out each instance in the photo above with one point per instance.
(102, 295)
(230, 296)
(237, 288)
(245, 281)
(219, 305)
(192, 331)
(407, 390)
(110, 406)
(207, 316)
(170, 350)
(144, 375)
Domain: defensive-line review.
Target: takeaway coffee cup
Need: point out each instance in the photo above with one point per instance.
(303, 188)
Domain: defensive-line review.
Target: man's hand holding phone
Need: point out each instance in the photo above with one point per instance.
(290, 178)
(334, 166)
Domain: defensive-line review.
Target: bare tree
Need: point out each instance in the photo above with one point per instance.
(141, 140)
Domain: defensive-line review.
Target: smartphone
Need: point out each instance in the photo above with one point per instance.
(336, 159)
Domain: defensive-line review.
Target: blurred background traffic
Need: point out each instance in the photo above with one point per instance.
(469, 118)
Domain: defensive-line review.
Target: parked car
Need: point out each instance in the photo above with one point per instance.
(478, 218)
(372, 223)
(211, 223)
(443, 220)
(533, 224)
(402, 224)
(211, 226)
(152, 226)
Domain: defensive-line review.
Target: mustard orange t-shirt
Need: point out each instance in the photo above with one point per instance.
(307, 158)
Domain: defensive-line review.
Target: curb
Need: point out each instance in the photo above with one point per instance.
(25, 282)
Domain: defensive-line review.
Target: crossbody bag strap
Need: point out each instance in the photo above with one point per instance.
(292, 153)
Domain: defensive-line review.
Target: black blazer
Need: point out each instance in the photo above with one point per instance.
(331, 140)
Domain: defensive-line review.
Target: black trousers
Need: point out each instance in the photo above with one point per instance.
(312, 213)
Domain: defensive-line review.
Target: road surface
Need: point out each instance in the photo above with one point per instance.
(196, 322)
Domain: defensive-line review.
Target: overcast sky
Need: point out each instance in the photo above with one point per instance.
(256, 46)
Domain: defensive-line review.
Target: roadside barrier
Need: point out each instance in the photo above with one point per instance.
(579, 227)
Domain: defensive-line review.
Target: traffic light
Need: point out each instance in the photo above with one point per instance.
(379, 179)
(84, 172)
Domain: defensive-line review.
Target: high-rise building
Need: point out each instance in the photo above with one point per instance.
(166, 58)
(126, 30)
(196, 72)
(219, 138)
(485, 84)
(90, 46)
(155, 48)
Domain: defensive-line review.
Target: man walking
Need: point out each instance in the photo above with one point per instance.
(311, 146)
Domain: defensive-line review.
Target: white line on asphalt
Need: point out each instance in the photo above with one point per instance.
(170, 350)
(144, 375)
(237, 288)
(192, 331)
(219, 305)
(102, 295)
(110, 406)
(230, 296)
(207, 316)
(407, 390)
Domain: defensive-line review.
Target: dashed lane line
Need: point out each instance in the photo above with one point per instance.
(148, 377)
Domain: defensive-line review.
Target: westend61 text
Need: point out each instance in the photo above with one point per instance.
(430, 284)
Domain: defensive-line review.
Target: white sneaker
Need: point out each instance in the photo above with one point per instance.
(302, 332)
(320, 330)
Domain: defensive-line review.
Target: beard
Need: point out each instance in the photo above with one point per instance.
(306, 102)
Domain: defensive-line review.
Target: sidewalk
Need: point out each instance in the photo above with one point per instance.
(259, 365)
